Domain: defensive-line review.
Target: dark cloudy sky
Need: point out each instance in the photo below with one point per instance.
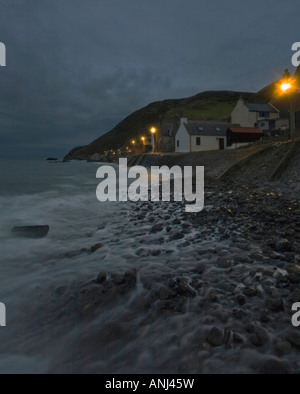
(75, 68)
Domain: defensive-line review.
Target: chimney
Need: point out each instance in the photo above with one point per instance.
(183, 121)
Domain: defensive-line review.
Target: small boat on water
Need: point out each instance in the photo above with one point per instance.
(34, 232)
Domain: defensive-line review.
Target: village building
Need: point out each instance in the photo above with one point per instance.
(166, 137)
(197, 136)
(242, 136)
(261, 116)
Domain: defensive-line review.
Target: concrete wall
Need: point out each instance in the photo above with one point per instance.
(239, 145)
(282, 124)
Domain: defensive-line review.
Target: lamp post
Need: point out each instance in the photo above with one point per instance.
(287, 87)
(153, 139)
(133, 142)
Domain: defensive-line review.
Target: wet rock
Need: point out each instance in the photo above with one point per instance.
(213, 296)
(282, 282)
(165, 293)
(250, 292)
(295, 296)
(241, 300)
(227, 336)
(294, 270)
(283, 348)
(294, 279)
(224, 263)
(237, 338)
(61, 290)
(130, 277)
(157, 228)
(215, 337)
(239, 314)
(180, 305)
(33, 232)
(176, 221)
(172, 283)
(199, 269)
(185, 244)
(96, 247)
(156, 253)
(250, 327)
(224, 316)
(283, 245)
(101, 278)
(142, 252)
(288, 256)
(176, 236)
(275, 367)
(293, 337)
(275, 304)
(260, 337)
(264, 317)
(117, 279)
(184, 289)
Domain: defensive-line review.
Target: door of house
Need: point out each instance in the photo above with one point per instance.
(221, 144)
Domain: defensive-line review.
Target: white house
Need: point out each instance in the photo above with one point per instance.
(262, 116)
(195, 136)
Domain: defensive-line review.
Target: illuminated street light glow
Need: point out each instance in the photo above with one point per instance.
(153, 130)
(286, 86)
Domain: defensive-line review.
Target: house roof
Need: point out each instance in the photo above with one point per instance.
(205, 128)
(245, 130)
(261, 108)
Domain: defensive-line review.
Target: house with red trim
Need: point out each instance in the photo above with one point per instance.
(199, 136)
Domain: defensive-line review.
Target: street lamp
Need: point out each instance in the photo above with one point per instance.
(287, 86)
(153, 139)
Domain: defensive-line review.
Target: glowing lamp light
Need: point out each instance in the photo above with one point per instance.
(153, 130)
(286, 86)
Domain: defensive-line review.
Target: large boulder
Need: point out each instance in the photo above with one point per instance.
(34, 232)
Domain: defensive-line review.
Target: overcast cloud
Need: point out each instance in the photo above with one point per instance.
(75, 68)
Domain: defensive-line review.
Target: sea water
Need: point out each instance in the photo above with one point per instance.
(63, 196)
